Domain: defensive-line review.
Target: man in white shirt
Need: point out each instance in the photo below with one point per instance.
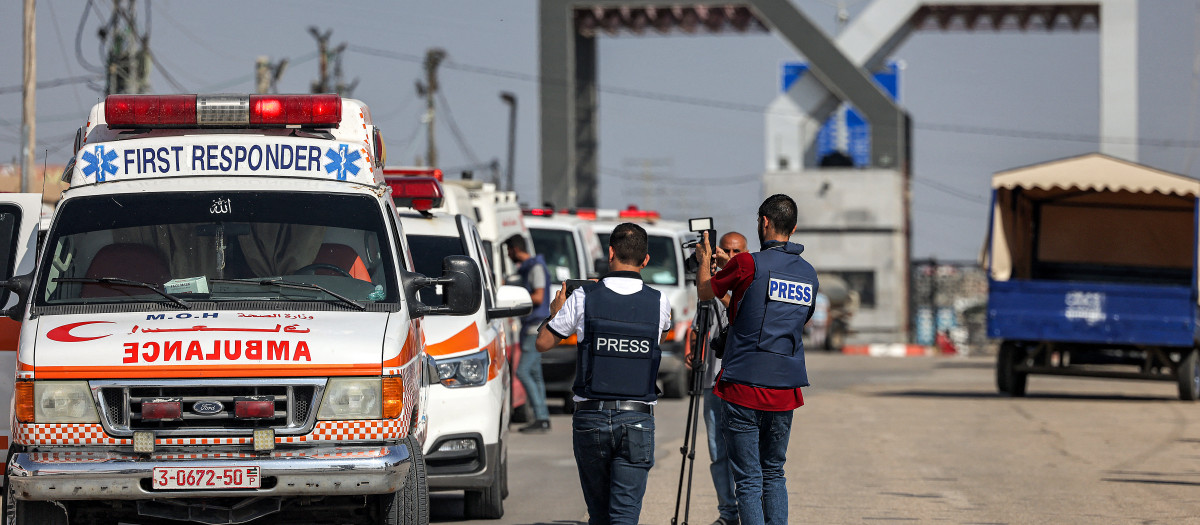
(619, 323)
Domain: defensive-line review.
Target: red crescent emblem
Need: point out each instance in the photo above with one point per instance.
(62, 334)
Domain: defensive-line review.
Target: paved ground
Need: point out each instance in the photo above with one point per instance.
(924, 440)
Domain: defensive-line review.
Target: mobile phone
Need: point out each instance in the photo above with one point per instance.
(572, 284)
(705, 224)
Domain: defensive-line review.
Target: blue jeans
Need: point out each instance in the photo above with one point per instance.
(529, 372)
(757, 441)
(722, 475)
(614, 450)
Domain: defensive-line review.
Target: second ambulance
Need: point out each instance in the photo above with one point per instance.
(223, 323)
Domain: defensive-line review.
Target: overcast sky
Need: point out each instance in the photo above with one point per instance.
(1013, 82)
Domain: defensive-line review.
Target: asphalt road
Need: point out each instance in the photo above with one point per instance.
(922, 440)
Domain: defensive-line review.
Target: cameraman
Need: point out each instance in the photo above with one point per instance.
(763, 366)
(619, 322)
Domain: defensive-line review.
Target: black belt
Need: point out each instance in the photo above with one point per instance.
(632, 406)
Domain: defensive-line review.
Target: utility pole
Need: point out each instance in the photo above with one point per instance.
(29, 96)
(128, 56)
(267, 73)
(433, 58)
(510, 99)
(322, 83)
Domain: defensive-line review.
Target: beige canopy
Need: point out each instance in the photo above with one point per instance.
(1091, 210)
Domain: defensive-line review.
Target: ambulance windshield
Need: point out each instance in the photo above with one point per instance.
(219, 246)
(663, 268)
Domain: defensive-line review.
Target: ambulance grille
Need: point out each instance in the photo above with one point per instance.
(121, 407)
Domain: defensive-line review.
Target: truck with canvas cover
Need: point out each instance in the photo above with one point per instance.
(223, 322)
(1092, 272)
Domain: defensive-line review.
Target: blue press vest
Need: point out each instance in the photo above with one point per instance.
(619, 354)
(764, 347)
(540, 311)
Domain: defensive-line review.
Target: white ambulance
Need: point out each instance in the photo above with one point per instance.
(572, 251)
(223, 323)
(469, 408)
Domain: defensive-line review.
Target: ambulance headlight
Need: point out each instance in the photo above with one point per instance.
(468, 370)
(352, 398)
(64, 402)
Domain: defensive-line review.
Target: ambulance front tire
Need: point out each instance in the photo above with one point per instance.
(312, 269)
(411, 504)
(488, 503)
(32, 512)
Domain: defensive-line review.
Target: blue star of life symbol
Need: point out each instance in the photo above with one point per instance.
(100, 163)
(342, 161)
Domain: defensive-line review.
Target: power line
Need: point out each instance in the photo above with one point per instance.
(712, 181)
(950, 190)
(762, 110)
(52, 83)
(458, 136)
(87, 8)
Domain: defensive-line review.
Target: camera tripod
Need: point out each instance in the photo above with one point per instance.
(706, 317)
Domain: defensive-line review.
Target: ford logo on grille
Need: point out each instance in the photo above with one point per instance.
(207, 408)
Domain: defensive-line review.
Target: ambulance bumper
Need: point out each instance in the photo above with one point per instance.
(82, 475)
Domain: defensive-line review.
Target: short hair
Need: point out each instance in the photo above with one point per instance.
(517, 242)
(781, 210)
(628, 242)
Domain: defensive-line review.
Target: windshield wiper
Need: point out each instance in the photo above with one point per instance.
(282, 283)
(123, 282)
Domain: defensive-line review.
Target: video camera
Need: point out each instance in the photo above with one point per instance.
(699, 225)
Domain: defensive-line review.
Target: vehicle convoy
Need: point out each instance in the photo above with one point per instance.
(466, 448)
(572, 251)
(499, 218)
(666, 273)
(223, 323)
(1092, 267)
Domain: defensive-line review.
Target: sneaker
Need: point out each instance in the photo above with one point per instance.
(540, 426)
(724, 521)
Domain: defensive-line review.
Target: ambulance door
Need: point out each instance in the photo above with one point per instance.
(20, 214)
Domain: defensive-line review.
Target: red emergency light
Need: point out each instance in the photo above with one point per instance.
(162, 409)
(418, 193)
(413, 172)
(539, 212)
(582, 213)
(224, 111)
(632, 212)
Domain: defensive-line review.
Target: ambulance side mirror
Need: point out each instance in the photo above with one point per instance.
(511, 301)
(462, 288)
(19, 285)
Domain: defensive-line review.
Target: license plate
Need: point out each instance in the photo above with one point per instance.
(217, 478)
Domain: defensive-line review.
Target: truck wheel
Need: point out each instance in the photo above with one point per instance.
(19, 512)
(411, 504)
(487, 504)
(1188, 373)
(1008, 380)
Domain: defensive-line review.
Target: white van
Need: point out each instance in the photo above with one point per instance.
(666, 273)
(469, 407)
(572, 251)
(223, 322)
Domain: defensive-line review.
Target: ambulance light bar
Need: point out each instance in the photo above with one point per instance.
(225, 111)
(632, 212)
(418, 193)
(539, 212)
(411, 172)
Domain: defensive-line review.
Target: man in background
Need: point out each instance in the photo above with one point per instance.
(534, 277)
